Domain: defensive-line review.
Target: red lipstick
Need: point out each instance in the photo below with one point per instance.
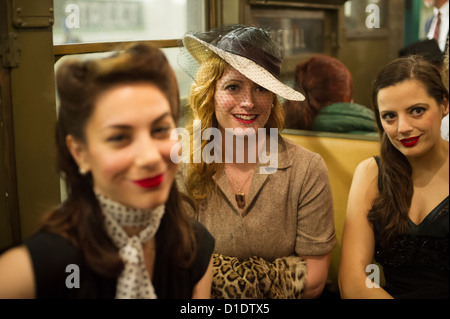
(150, 182)
(410, 142)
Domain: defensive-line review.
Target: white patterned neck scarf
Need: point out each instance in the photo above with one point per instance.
(134, 281)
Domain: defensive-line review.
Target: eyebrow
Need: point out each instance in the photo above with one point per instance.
(408, 108)
(125, 126)
(233, 79)
(418, 104)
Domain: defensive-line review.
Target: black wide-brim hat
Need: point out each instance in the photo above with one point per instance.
(251, 51)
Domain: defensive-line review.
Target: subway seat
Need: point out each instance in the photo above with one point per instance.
(341, 153)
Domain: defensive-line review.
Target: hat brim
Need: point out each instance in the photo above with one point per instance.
(201, 51)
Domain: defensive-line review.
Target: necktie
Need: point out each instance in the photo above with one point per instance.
(436, 30)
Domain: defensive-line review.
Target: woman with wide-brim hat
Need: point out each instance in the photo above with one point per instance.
(258, 194)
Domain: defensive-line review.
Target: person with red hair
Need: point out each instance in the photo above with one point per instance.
(329, 105)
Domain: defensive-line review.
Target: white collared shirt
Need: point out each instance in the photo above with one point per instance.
(445, 128)
(443, 29)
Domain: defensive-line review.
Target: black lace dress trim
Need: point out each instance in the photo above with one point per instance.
(416, 264)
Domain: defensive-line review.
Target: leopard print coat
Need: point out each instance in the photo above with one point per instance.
(256, 278)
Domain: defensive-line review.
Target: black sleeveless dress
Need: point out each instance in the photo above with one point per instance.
(417, 264)
(52, 253)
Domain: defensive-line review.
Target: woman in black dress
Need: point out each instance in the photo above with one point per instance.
(122, 232)
(398, 203)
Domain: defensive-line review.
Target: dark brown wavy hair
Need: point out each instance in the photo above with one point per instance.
(79, 218)
(390, 209)
(325, 80)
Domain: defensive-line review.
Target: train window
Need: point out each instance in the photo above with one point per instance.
(302, 29)
(94, 21)
(298, 31)
(86, 28)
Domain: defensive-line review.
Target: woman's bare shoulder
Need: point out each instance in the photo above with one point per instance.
(367, 169)
(16, 274)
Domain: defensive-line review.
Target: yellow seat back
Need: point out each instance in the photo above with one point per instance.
(341, 153)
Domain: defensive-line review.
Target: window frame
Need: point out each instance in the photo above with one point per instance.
(212, 14)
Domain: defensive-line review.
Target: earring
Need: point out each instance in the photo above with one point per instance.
(273, 105)
(82, 171)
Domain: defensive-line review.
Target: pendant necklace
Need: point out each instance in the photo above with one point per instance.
(239, 196)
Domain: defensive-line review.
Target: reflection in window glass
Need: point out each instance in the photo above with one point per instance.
(84, 21)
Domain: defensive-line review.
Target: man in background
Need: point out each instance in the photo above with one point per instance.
(436, 27)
